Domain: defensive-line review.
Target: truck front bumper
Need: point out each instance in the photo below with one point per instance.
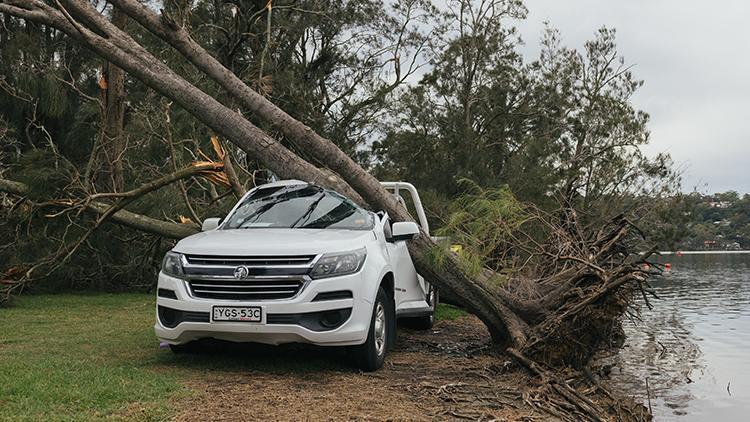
(281, 320)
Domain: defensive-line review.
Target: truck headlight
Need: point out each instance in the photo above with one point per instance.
(172, 264)
(336, 264)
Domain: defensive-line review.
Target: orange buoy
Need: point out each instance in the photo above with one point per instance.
(667, 266)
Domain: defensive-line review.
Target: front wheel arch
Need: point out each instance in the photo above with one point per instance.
(387, 283)
(369, 356)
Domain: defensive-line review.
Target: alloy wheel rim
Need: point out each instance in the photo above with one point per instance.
(431, 299)
(380, 329)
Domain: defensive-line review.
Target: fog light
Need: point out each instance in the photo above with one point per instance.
(313, 321)
(168, 317)
(331, 319)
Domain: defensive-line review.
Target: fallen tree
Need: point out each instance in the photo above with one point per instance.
(124, 217)
(582, 286)
(18, 277)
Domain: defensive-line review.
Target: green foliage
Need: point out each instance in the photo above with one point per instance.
(114, 258)
(708, 221)
(54, 99)
(484, 222)
(561, 123)
(45, 174)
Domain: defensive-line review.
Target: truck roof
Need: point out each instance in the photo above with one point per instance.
(288, 182)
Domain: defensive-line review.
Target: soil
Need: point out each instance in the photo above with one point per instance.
(450, 372)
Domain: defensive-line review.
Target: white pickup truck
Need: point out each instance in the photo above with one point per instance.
(293, 262)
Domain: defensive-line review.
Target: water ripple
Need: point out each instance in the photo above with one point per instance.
(693, 346)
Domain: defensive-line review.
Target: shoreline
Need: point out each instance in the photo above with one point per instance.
(706, 252)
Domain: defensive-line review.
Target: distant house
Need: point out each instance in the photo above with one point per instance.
(709, 244)
(719, 204)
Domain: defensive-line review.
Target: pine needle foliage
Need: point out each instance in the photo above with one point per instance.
(483, 222)
(46, 174)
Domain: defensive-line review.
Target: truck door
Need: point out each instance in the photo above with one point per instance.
(407, 283)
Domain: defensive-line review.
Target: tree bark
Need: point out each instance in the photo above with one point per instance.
(111, 145)
(234, 181)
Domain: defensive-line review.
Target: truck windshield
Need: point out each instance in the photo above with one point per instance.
(298, 206)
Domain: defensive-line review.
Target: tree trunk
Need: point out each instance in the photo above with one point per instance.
(110, 146)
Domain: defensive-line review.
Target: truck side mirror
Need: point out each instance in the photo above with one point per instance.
(210, 224)
(404, 230)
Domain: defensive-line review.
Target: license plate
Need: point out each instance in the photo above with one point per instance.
(237, 313)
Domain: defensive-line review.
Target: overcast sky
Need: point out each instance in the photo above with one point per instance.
(694, 57)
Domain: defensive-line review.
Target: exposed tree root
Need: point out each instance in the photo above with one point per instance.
(588, 408)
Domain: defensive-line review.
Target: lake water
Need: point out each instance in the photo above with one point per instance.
(693, 347)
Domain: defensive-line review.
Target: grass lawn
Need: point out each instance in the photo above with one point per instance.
(67, 357)
(88, 357)
(448, 312)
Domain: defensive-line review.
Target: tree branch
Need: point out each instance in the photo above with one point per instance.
(122, 217)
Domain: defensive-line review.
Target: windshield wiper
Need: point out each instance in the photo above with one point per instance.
(309, 210)
(338, 214)
(256, 215)
(268, 202)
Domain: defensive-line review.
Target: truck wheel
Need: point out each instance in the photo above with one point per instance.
(426, 322)
(370, 355)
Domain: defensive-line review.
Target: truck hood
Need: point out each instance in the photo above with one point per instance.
(273, 241)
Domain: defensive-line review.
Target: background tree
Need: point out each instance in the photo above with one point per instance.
(563, 123)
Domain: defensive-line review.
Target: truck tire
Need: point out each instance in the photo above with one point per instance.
(370, 355)
(426, 322)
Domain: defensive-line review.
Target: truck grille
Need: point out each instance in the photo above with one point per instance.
(265, 277)
(279, 266)
(252, 289)
(250, 261)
